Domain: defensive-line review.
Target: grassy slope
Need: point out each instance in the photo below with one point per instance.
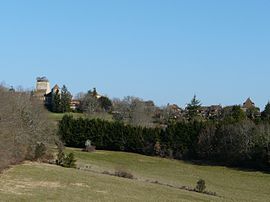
(59, 116)
(230, 184)
(40, 182)
(37, 182)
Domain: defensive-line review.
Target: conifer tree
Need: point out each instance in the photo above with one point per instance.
(56, 102)
(65, 100)
(193, 108)
(266, 112)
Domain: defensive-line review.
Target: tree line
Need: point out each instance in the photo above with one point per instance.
(232, 141)
(232, 137)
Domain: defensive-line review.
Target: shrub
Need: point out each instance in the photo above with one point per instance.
(124, 174)
(60, 154)
(69, 161)
(106, 173)
(157, 148)
(200, 186)
(40, 150)
(48, 158)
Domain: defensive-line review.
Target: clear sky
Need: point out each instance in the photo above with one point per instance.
(164, 50)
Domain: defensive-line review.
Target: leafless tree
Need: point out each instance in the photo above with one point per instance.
(90, 104)
(23, 123)
(134, 111)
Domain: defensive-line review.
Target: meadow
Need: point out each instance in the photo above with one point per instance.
(58, 116)
(43, 182)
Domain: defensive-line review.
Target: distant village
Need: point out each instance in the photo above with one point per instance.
(44, 93)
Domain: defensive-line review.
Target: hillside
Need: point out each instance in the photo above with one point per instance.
(58, 116)
(42, 182)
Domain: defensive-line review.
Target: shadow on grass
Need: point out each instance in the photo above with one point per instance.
(239, 167)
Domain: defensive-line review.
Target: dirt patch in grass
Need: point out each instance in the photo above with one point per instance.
(80, 185)
(102, 192)
(145, 161)
(21, 187)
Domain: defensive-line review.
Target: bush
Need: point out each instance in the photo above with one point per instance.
(69, 161)
(200, 186)
(40, 150)
(48, 158)
(124, 174)
(60, 154)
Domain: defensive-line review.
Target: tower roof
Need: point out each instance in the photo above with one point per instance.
(56, 87)
(42, 79)
(248, 103)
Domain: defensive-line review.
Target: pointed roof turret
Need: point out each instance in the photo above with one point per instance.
(56, 87)
(248, 104)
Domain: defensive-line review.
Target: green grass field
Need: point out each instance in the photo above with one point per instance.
(59, 116)
(42, 182)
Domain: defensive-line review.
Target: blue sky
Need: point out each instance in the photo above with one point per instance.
(166, 51)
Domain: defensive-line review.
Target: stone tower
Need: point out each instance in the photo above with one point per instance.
(43, 85)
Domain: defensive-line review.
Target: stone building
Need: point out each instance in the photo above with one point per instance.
(42, 88)
(44, 93)
(48, 96)
(250, 108)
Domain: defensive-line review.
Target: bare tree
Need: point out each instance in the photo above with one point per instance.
(90, 104)
(134, 111)
(23, 123)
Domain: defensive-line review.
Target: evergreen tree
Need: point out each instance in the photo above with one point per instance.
(266, 112)
(237, 113)
(56, 102)
(105, 103)
(65, 100)
(193, 108)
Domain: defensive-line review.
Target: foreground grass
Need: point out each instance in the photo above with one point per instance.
(230, 184)
(42, 182)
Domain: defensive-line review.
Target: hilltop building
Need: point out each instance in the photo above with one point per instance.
(248, 104)
(250, 108)
(95, 94)
(44, 93)
(43, 84)
(48, 97)
(42, 88)
(210, 112)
